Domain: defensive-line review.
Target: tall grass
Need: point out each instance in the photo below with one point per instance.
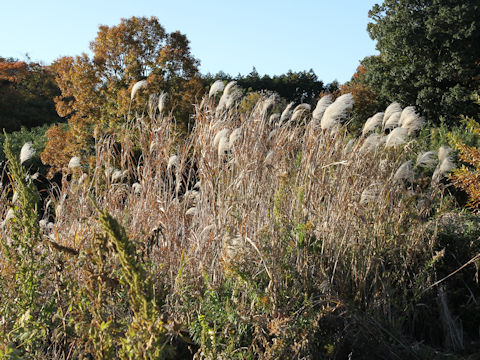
(247, 239)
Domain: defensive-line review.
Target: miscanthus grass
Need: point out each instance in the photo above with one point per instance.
(251, 238)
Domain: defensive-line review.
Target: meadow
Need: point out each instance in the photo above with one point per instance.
(273, 233)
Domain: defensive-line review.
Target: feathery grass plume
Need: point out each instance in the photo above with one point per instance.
(191, 212)
(216, 87)
(410, 120)
(172, 161)
(396, 137)
(337, 111)
(74, 162)
(117, 175)
(268, 103)
(220, 134)
(445, 164)
(136, 188)
(427, 159)
(393, 121)
(142, 84)
(372, 123)
(9, 216)
(82, 179)
(162, 99)
(235, 136)
(14, 197)
(372, 142)
(286, 113)
(444, 153)
(223, 146)
(274, 119)
(322, 105)
(27, 152)
(405, 172)
(230, 95)
(299, 111)
(390, 110)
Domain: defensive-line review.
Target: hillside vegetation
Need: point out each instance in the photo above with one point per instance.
(257, 236)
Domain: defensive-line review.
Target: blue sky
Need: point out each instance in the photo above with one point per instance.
(274, 36)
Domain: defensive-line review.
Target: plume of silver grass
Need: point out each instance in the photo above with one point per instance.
(10, 214)
(444, 166)
(390, 110)
(410, 120)
(392, 121)
(162, 99)
(444, 153)
(427, 159)
(230, 95)
(172, 161)
(74, 162)
(27, 152)
(142, 84)
(14, 197)
(299, 111)
(117, 175)
(191, 212)
(404, 172)
(108, 171)
(337, 111)
(286, 113)
(322, 105)
(230, 88)
(372, 142)
(273, 119)
(235, 136)
(216, 87)
(136, 188)
(223, 146)
(82, 179)
(396, 137)
(268, 103)
(372, 123)
(220, 134)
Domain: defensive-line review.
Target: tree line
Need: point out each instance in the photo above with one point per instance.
(428, 57)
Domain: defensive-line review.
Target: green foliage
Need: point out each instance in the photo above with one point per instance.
(30, 308)
(428, 56)
(17, 139)
(302, 86)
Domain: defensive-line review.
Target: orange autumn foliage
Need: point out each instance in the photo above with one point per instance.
(95, 92)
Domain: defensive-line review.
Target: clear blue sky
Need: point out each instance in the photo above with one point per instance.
(274, 36)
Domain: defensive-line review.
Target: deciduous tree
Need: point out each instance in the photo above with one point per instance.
(95, 91)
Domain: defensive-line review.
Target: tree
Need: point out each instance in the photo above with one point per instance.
(365, 100)
(95, 92)
(27, 90)
(429, 55)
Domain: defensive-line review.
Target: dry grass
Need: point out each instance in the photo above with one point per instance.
(290, 213)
